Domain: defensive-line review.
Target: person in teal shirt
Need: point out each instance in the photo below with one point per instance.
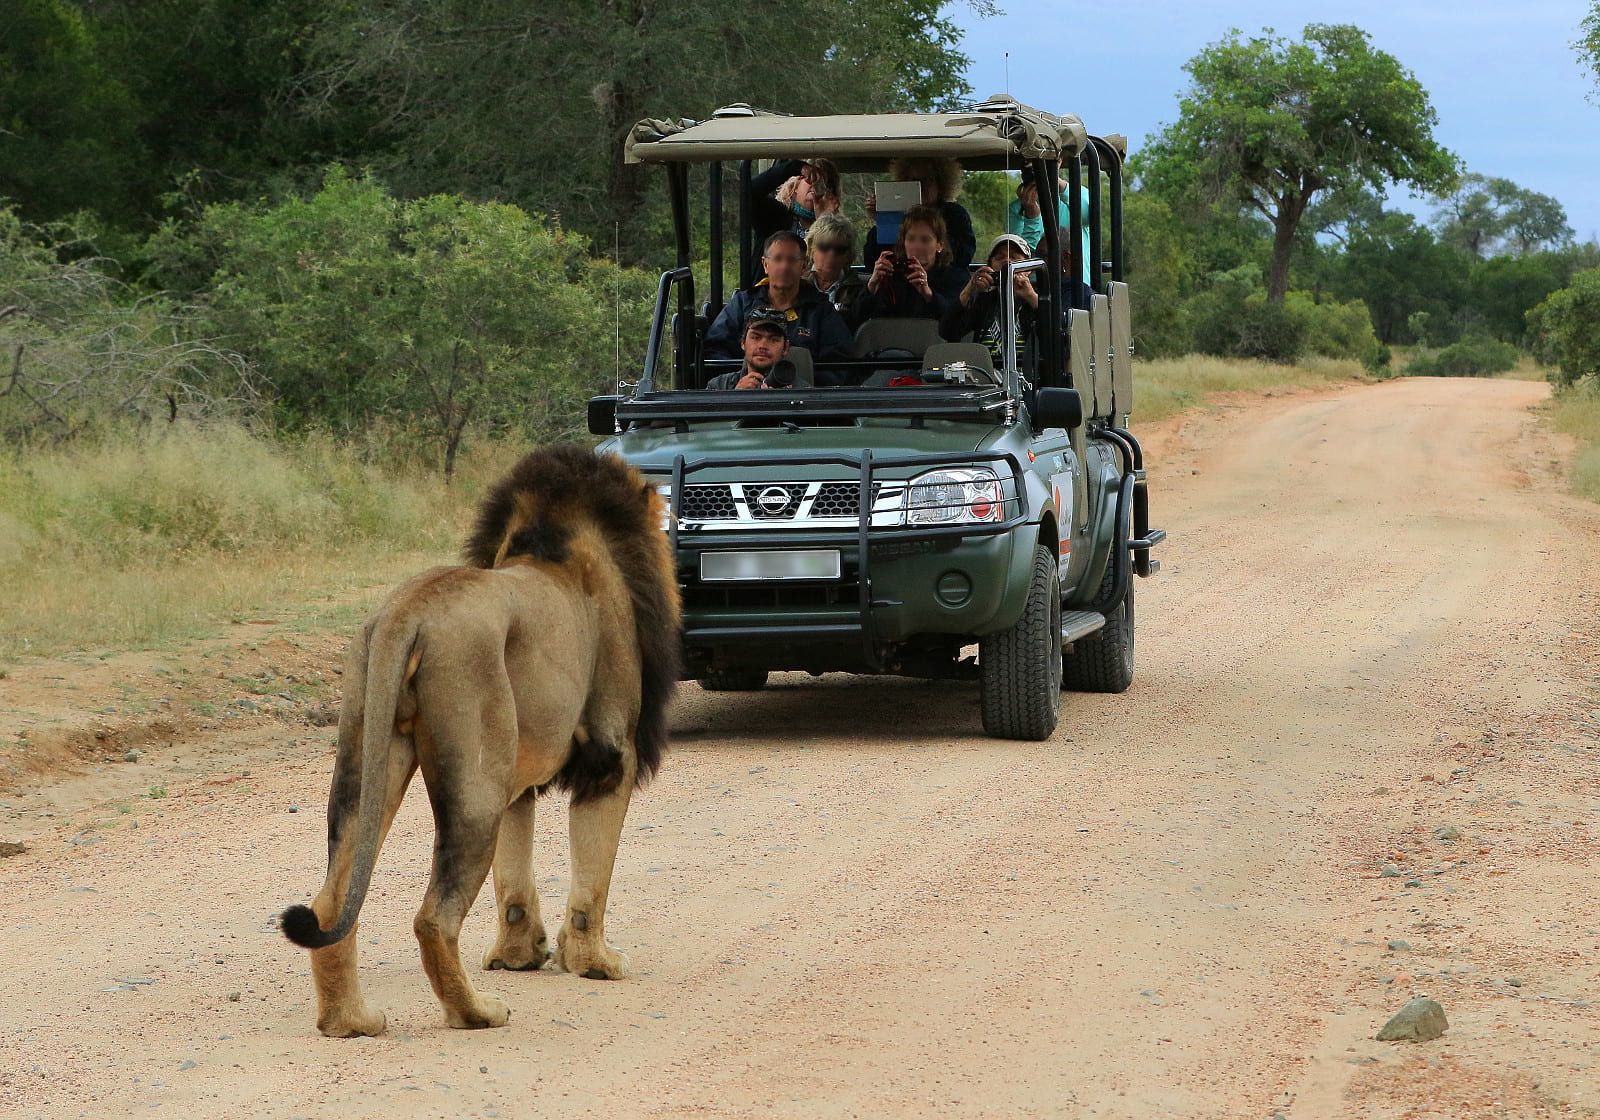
(1024, 218)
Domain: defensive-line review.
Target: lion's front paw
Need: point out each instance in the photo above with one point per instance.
(352, 1023)
(590, 957)
(490, 1012)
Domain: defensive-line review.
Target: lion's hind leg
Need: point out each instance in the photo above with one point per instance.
(342, 1009)
(521, 943)
(467, 765)
(601, 780)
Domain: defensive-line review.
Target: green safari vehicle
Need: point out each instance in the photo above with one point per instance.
(933, 500)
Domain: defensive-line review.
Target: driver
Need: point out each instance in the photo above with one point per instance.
(766, 346)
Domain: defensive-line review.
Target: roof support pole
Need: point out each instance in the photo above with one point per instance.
(1075, 233)
(1052, 363)
(715, 280)
(747, 250)
(1096, 254)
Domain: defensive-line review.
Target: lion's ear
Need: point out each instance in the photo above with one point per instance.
(647, 490)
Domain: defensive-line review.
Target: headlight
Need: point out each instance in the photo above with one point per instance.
(953, 496)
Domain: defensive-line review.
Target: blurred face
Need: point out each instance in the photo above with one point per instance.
(764, 345)
(918, 240)
(784, 264)
(829, 257)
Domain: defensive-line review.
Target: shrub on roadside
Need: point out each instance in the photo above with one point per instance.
(1471, 357)
(1566, 329)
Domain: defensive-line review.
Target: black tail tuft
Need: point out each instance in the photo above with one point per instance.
(300, 926)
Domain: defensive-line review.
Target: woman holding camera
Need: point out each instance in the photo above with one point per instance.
(915, 279)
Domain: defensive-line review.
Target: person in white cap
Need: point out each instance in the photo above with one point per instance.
(977, 310)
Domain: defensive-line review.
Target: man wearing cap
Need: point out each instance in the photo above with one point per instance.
(809, 316)
(765, 344)
(977, 310)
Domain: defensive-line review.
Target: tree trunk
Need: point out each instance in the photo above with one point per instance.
(1283, 228)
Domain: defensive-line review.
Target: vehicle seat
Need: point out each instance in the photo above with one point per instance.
(915, 335)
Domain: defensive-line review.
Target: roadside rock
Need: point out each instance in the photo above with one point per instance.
(1418, 1021)
(1399, 945)
(1447, 832)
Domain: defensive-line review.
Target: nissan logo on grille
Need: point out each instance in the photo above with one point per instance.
(773, 499)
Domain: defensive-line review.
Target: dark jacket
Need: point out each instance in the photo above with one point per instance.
(981, 319)
(767, 214)
(815, 325)
(959, 238)
(899, 300)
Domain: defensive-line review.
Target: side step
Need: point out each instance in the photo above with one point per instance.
(1143, 564)
(1080, 624)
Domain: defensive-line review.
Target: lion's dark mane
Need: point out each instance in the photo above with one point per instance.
(567, 484)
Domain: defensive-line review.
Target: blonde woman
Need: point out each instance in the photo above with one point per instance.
(941, 185)
(830, 247)
(792, 194)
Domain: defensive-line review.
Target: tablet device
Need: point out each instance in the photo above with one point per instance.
(894, 199)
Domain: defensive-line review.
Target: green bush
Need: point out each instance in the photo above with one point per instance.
(1228, 327)
(439, 314)
(1566, 329)
(1337, 330)
(1471, 357)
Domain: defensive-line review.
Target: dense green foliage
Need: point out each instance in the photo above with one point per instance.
(1566, 328)
(1471, 357)
(356, 306)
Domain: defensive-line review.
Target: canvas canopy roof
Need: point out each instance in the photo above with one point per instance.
(999, 133)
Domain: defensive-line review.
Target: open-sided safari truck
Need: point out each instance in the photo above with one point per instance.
(931, 502)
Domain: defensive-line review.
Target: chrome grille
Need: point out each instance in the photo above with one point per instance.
(708, 502)
(840, 499)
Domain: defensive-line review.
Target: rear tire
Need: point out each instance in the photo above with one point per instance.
(1103, 662)
(733, 680)
(1019, 670)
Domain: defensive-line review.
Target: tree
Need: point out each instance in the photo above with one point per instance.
(1566, 328)
(1486, 216)
(481, 95)
(1270, 124)
(439, 312)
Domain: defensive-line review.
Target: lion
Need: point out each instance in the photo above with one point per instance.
(548, 659)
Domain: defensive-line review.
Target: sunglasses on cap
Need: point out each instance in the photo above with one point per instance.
(767, 317)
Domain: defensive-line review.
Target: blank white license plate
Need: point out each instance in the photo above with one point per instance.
(794, 564)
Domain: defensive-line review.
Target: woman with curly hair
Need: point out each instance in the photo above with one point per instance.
(941, 184)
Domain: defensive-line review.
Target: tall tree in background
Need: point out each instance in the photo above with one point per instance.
(531, 103)
(1485, 215)
(1269, 124)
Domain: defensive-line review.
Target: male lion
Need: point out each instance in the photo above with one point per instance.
(550, 660)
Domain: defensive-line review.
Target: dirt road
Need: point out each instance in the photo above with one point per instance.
(1377, 620)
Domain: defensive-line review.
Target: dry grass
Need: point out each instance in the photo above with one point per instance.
(142, 540)
(1576, 411)
(1167, 386)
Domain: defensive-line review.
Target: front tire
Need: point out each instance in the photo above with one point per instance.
(1019, 670)
(1103, 662)
(733, 680)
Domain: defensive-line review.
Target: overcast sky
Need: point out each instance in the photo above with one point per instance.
(1509, 91)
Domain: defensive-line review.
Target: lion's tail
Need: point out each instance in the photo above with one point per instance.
(388, 655)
